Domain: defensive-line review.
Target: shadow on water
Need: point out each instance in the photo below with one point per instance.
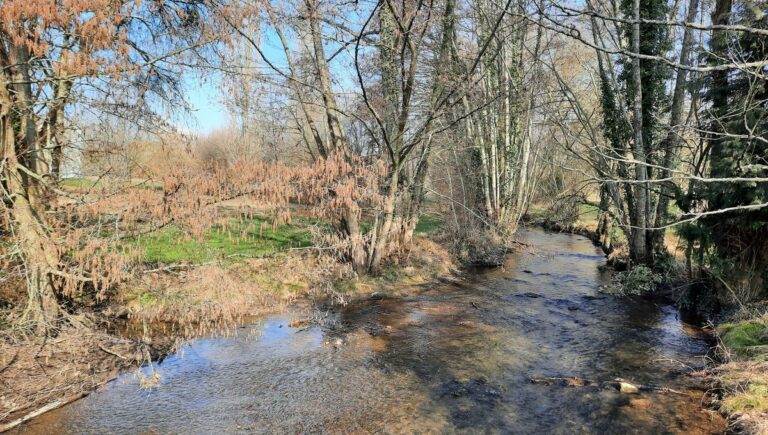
(454, 358)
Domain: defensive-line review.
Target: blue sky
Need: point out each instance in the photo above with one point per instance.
(203, 94)
(208, 112)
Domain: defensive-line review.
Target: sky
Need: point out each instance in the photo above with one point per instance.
(203, 95)
(208, 112)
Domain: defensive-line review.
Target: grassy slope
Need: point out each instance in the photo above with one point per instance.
(251, 279)
(243, 240)
(745, 378)
(246, 239)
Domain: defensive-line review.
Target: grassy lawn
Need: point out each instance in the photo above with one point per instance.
(84, 183)
(428, 224)
(78, 183)
(588, 213)
(172, 245)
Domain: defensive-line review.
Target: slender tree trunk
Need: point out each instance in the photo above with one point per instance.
(383, 233)
(719, 93)
(312, 136)
(444, 72)
(336, 133)
(672, 141)
(638, 243)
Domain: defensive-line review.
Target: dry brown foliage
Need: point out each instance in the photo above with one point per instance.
(91, 231)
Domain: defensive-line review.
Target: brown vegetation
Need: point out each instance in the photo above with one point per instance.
(650, 113)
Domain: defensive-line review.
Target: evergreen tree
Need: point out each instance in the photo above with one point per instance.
(734, 245)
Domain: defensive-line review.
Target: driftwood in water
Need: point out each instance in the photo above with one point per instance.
(58, 403)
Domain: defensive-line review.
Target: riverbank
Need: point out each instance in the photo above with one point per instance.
(738, 371)
(741, 377)
(442, 359)
(150, 316)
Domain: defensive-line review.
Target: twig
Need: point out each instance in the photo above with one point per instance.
(112, 352)
(10, 363)
(174, 267)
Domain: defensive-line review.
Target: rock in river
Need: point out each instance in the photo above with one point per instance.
(627, 388)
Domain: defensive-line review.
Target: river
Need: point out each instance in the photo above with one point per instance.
(452, 358)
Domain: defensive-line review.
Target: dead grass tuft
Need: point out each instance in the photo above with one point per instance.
(743, 379)
(213, 299)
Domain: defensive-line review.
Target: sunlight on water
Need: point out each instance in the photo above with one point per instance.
(450, 359)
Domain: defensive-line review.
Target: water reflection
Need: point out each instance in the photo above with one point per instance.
(450, 359)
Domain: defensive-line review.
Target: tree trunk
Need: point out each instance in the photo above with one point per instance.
(38, 251)
(719, 93)
(337, 137)
(383, 232)
(672, 141)
(638, 244)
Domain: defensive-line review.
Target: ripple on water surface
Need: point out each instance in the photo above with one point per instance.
(450, 359)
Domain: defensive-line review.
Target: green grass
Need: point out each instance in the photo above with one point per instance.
(753, 398)
(78, 183)
(428, 224)
(536, 213)
(588, 213)
(172, 245)
(742, 338)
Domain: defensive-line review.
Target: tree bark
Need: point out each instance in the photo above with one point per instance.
(672, 141)
(28, 224)
(638, 243)
(337, 137)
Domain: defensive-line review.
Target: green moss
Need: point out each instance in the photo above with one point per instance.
(754, 398)
(742, 338)
(240, 240)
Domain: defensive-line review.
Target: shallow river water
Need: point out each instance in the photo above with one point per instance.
(452, 358)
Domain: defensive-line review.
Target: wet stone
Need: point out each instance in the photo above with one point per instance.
(475, 389)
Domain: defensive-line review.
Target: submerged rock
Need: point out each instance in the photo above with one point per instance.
(627, 388)
(478, 390)
(640, 403)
